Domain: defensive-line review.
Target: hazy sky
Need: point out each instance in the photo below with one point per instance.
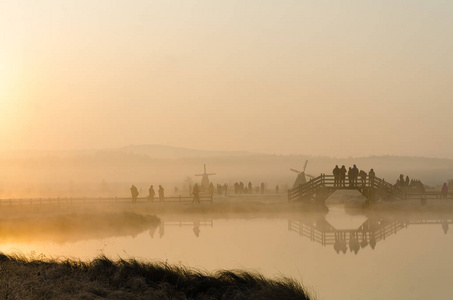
(339, 78)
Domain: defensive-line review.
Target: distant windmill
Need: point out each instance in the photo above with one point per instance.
(205, 179)
(300, 179)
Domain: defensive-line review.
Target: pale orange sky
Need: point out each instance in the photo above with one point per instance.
(314, 77)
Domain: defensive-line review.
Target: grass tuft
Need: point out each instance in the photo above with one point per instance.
(21, 278)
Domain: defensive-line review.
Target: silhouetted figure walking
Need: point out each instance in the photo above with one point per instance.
(262, 187)
(336, 176)
(277, 188)
(161, 193)
(196, 194)
(151, 194)
(134, 193)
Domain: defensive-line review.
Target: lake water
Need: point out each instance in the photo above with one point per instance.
(334, 255)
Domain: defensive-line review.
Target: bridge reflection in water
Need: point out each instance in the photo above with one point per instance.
(370, 232)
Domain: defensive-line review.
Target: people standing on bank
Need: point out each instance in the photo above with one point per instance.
(211, 189)
(151, 194)
(444, 191)
(196, 194)
(161, 193)
(134, 193)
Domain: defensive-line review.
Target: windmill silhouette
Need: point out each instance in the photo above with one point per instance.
(300, 179)
(205, 179)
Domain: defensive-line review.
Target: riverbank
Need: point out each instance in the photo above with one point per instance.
(21, 278)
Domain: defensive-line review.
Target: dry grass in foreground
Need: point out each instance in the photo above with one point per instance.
(104, 278)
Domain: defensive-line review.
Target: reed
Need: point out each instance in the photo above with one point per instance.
(22, 278)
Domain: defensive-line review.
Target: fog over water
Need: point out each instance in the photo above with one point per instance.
(409, 262)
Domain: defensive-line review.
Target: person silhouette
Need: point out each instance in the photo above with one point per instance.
(371, 176)
(196, 194)
(336, 176)
(362, 174)
(151, 194)
(161, 193)
(444, 191)
(343, 176)
(134, 193)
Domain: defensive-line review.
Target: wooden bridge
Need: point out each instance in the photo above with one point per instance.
(321, 187)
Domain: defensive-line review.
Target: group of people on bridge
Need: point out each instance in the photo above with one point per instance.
(353, 176)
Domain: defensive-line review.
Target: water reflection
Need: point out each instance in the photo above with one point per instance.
(75, 227)
(372, 231)
(196, 224)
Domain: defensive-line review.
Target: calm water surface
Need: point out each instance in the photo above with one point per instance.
(335, 256)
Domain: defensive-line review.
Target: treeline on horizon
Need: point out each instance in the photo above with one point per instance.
(103, 172)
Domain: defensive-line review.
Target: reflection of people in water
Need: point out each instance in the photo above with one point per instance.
(161, 229)
(196, 228)
(152, 231)
(373, 230)
(340, 243)
(372, 241)
(354, 245)
(445, 227)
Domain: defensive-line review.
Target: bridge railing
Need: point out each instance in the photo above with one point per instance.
(97, 200)
(329, 181)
